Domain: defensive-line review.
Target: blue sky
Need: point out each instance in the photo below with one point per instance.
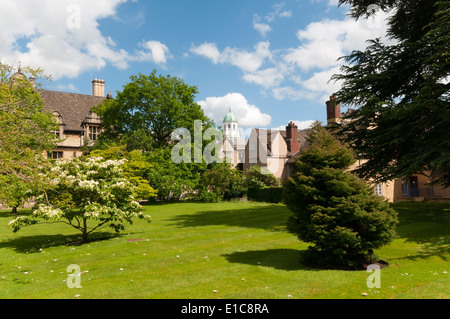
(268, 61)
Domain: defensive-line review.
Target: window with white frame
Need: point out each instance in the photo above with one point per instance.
(379, 189)
(405, 188)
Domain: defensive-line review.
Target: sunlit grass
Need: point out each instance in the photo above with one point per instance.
(218, 250)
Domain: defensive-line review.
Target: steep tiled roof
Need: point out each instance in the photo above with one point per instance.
(73, 108)
(303, 139)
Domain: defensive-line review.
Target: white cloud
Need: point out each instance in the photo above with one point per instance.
(207, 50)
(245, 60)
(262, 28)
(323, 42)
(302, 125)
(320, 81)
(333, 2)
(63, 37)
(278, 12)
(248, 115)
(282, 93)
(249, 62)
(155, 51)
(267, 78)
(330, 2)
(285, 14)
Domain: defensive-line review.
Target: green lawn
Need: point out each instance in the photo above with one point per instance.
(226, 250)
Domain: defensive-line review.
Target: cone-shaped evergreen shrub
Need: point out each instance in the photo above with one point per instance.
(334, 210)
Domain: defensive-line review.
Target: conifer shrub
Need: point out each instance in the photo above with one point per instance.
(335, 211)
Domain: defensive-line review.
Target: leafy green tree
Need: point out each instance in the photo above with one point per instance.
(256, 178)
(82, 190)
(222, 182)
(149, 109)
(334, 210)
(400, 92)
(25, 135)
(173, 180)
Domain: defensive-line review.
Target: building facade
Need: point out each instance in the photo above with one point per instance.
(275, 150)
(78, 125)
(415, 187)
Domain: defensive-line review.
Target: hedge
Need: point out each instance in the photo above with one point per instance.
(266, 194)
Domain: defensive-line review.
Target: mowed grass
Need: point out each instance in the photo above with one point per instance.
(231, 250)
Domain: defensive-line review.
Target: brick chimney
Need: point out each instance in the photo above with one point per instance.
(293, 145)
(333, 110)
(98, 87)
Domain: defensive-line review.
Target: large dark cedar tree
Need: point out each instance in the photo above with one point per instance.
(401, 92)
(334, 210)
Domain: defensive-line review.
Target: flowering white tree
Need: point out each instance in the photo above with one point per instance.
(86, 189)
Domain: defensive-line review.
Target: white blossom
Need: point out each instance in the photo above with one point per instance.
(48, 212)
(88, 184)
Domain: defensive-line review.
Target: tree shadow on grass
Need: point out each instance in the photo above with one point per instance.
(9, 213)
(38, 243)
(288, 260)
(282, 259)
(427, 224)
(273, 217)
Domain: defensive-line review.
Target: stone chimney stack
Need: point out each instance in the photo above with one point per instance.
(292, 142)
(333, 110)
(98, 87)
(33, 81)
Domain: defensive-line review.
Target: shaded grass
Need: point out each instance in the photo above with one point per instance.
(240, 250)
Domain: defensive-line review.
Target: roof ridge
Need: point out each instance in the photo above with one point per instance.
(72, 93)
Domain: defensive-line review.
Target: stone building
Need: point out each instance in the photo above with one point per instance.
(275, 150)
(415, 187)
(78, 125)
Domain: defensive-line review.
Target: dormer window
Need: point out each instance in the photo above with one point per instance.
(94, 132)
(57, 133)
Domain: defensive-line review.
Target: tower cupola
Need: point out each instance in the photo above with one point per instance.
(230, 125)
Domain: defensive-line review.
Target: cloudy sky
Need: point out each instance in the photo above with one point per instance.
(269, 61)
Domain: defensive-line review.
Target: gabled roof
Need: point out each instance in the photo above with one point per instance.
(73, 108)
(267, 135)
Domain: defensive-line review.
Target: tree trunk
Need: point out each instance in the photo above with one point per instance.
(85, 233)
(432, 182)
